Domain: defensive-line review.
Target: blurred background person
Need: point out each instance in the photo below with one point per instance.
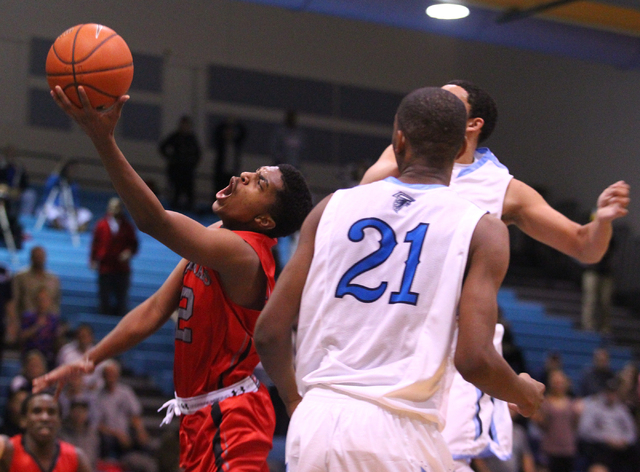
(33, 365)
(11, 420)
(114, 243)
(76, 349)
(182, 152)
(227, 140)
(41, 329)
(77, 429)
(288, 141)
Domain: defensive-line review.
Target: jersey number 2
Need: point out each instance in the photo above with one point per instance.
(185, 314)
(388, 243)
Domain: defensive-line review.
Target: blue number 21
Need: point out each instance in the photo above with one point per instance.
(387, 244)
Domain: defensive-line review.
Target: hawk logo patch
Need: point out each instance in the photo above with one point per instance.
(401, 200)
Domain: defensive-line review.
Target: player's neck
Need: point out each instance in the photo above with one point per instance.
(415, 174)
(467, 156)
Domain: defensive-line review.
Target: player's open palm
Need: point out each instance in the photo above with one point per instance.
(613, 202)
(61, 374)
(96, 123)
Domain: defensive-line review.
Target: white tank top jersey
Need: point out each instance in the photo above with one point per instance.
(476, 424)
(484, 182)
(378, 309)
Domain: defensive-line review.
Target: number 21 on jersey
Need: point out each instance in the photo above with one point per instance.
(388, 243)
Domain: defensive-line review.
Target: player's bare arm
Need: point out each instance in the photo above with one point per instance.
(526, 208)
(83, 462)
(6, 453)
(272, 333)
(134, 327)
(385, 166)
(217, 248)
(476, 357)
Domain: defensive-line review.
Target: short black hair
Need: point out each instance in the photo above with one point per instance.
(293, 203)
(433, 121)
(25, 404)
(482, 106)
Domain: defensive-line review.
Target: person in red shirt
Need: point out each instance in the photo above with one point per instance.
(219, 288)
(114, 243)
(38, 448)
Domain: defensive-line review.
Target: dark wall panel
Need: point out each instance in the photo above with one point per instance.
(368, 105)
(44, 112)
(357, 148)
(38, 50)
(141, 121)
(147, 73)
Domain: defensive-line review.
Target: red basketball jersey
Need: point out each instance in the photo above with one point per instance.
(214, 337)
(66, 460)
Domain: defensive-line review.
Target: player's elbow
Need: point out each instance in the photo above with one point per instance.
(472, 364)
(264, 336)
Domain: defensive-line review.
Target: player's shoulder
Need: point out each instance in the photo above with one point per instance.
(490, 233)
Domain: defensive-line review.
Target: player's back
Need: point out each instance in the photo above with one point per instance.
(378, 309)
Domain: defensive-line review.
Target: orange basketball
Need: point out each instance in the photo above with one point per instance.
(95, 57)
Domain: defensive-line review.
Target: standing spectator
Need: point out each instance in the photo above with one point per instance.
(75, 391)
(76, 350)
(120, 422)
(40, 329)
(595, 377)
(597, 293)
(608, 432)
(114, 243)
(288, 141)
(9, 326)
(182, 152)
(77, 429)
(227, 140)
(33, 365)
(27, 283)
(558, 419)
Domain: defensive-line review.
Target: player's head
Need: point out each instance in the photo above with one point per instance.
(480, 105)
(272, 200)
(40, 417)
(431, 124)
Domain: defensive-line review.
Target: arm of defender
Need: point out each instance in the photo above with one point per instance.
(385, 166)
(272, 334)
(476, 357)
(83, 461)
(526, 208)
(137, 325)
(219, 249)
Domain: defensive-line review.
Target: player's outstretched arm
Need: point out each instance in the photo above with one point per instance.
(272, 333)
(526, 208)
(385, 166)
(134, 327)
(218, 249)
(476, 357)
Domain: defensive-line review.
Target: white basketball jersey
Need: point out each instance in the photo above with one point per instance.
(378, 310)
(476, 424)
(484, 182)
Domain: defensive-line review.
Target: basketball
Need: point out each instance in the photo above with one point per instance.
(95, 57)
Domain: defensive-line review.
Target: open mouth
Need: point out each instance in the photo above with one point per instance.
(228, 190)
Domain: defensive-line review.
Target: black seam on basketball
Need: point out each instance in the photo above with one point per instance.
(62, 74)
(98, 47)
(96, 89)
(73, 59)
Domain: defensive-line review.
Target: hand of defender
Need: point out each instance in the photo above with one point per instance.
(613, 202)
(535, 396)
(61, 374)
(96, 123)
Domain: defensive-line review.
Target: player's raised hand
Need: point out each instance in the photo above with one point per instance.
(61, 374)
(613, 202)
(96, 123)
(535, 396)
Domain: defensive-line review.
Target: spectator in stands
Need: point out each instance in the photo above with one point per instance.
(595, 377)
(34, 365)
(552, 362)
(62, 199)
(9, 326)
(608, 432)
(597, 292)
(122, 432)
(75, 391)
(558, 419)
(182, 152)
(76, 349)
(114, 243)
(41, 329)
(288, 141)
(77, 429)
(628, 391)
(27, 283)
(11, 421)
(227, 140)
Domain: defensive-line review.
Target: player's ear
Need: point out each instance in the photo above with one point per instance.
(475, 124)
(265, 222)
(399, 142)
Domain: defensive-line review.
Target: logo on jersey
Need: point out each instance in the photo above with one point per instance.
(199, 272)
(401, 200)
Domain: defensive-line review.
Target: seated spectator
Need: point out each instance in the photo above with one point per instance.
(596, 376)
(552, 362)
(78, 430)
(75, 391)
(608, 432)
(76, 349)
(11, 421)
(34, 365)
(628, 391)
(122, 432)
(41, 329)
(558, 419)
(62, 200)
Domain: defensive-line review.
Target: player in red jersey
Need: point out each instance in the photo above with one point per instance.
(38, 448)
(219, 288)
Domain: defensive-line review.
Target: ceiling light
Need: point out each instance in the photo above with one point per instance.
(447, 11)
